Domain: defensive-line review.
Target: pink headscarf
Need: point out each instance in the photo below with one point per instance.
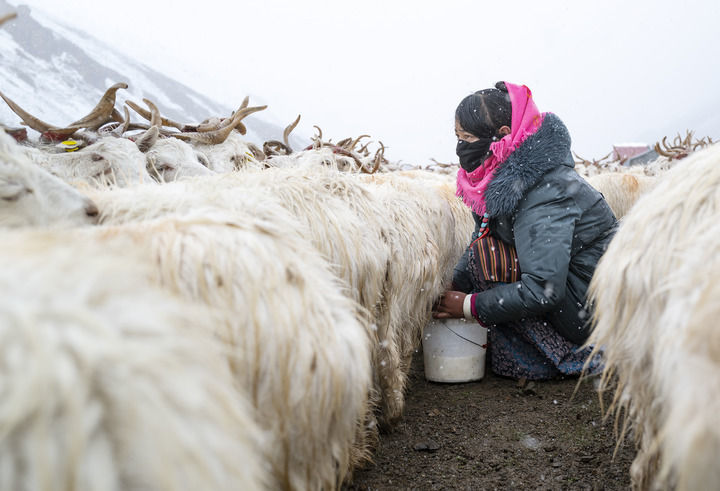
(526, 120)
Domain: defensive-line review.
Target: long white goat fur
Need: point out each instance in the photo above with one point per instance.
(107, 382)
(431, 228)
(622, 189)
(30, 196)
(302, 348)
(393, 240)
(110, 160)
(656, 309)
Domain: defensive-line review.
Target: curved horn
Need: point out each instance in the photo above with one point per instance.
(37, 124)
(7, 17)
(242, 110)
(145, 141)
(242, 114)
(219, 136)
(345, 142)
(102, 111)
(379, 157)
(120, 130)
(213, 123)
(288, 129)
(357, 140)
(145, 114)
(155, 119)
(275, 147)
(317, 140)
(347, 153)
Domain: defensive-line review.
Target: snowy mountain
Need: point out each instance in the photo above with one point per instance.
(58, 74)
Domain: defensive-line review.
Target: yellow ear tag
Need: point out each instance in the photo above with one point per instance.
(69, 145)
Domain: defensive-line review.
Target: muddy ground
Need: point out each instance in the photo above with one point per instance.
(493, 434)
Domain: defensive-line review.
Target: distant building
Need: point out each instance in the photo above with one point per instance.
(625, 151)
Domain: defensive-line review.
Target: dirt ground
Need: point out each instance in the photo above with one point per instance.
(494, 434)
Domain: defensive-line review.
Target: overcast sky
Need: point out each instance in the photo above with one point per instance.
(614, 71)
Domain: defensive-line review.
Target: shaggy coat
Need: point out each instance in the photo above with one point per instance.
(30, 196)
(107, 382)
(303, 358)
(656, 295)
(622, 189)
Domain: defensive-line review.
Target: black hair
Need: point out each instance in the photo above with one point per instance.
(486, 111)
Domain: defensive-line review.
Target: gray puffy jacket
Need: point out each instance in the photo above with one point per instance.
(560, 227)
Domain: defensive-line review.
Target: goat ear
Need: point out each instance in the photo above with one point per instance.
(12, 190)
(148, 139)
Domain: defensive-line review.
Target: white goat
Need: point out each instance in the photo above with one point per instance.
(170, 159)
(31, 196)
(329, 156)
(656, 308)
(431, 228)
(622, 189)
(108, 382)
(110, 160)
(232, 154)
(393, 240)
(302, 356)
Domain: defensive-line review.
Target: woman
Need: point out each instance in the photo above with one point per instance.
(540, 231)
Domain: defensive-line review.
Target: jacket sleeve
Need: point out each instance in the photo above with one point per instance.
(544, 228)
(461, 276)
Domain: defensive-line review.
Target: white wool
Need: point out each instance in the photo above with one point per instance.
(170, 159)
(107, 380)
(301, 344)
(656, 305)
(394, 240)
(232, 154)
(109, 161)
(622, 189)
(29, 196)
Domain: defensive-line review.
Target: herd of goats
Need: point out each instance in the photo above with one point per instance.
(182, 309)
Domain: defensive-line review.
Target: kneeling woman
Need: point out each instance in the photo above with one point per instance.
(540, 231)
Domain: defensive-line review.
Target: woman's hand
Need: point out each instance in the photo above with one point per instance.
(450, 305)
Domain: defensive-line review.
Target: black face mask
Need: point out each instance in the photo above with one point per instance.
(472, 155)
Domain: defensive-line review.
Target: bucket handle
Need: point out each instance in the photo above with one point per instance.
(483, 346)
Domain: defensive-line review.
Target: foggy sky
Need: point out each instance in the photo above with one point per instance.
(614, 71)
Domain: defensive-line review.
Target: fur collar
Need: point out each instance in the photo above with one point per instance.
(545, 150)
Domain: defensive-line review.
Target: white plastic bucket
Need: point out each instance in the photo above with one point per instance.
(454, 350)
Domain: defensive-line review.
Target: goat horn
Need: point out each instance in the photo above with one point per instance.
(288, 129)
(347, 153)
(662, 152)
(7, 17)
(162, 121)
(116, 116)
(145, 114)
(124, 125)
(242, 114)
(242, 110)
(257, 153)
(102, 111)
(319, 132)
(37, 124)
(344, 142)
(364, 149)
(220, 135)
(273, 147)
(379, 157)
(688, 139)
(155, 119)
(357, 140)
